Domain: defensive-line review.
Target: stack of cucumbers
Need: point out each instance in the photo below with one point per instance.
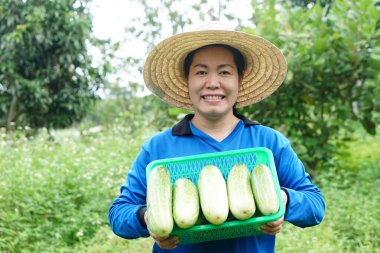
(213, 199)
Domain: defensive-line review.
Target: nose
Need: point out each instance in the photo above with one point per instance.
(213, 81)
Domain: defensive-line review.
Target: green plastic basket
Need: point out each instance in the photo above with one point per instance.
(190, 166)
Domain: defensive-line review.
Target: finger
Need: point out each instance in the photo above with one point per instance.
(172, 245)
(284, 197)
(273, 227)
(146, 217)
(270, 226)
(271, 230)
(165, 242)
(276, 222)
(157, 238)
(169, 243)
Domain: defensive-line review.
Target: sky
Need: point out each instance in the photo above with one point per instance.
(111, 17)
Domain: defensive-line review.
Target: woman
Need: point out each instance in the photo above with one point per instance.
(212, 71)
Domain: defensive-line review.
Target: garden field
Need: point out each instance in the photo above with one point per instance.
(55, 195)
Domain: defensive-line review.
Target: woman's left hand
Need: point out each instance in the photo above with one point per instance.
(274, 227)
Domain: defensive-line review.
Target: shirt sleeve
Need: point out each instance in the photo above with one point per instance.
(123, 213)
(306, 206)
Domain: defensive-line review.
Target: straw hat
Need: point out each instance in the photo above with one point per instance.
(164, 68)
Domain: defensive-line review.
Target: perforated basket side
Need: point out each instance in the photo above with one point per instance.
(190, 166)
(233, 229)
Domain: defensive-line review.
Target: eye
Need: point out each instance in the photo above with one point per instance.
(225, 72)
(200, 73)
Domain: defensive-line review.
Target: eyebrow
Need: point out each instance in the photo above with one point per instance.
(205, 66)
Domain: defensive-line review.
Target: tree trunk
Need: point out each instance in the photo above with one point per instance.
(11, 114)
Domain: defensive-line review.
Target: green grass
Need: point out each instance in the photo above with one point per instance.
(55, 195)
(350, 188)
(106, 241)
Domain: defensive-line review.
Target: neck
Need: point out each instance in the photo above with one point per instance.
(218, 128)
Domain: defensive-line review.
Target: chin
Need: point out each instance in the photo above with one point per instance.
(214, 113)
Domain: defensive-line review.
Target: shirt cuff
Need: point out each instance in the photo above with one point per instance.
(140, 216)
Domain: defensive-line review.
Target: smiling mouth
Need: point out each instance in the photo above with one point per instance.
(213, 97)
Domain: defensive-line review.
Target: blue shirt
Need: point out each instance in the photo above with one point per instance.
(305, 205)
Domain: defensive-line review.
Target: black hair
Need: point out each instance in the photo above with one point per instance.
(238, 59)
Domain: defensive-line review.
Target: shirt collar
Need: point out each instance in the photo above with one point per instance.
(182, 128)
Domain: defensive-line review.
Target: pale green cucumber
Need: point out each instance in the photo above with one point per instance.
(213, 195)
(240, 196)
(185, 203)
(159, 202)
(264, 190)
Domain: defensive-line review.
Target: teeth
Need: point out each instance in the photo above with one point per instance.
(213, 97)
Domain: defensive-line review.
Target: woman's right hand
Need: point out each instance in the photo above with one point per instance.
(163, 242)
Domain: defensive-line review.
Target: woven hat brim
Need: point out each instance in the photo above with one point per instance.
(164, 73)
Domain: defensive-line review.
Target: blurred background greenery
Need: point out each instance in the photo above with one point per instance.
(70, 126)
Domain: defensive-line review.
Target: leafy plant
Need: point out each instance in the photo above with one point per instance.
(46, 74)
(349, 186)
(55, 195)
(333, 73)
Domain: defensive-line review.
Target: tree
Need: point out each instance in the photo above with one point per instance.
(46, 76)
(333, 56)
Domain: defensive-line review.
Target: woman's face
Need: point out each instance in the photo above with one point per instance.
(213, 82)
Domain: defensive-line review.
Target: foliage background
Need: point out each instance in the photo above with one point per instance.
(56, 185)
(333, 55)
(47, 78)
